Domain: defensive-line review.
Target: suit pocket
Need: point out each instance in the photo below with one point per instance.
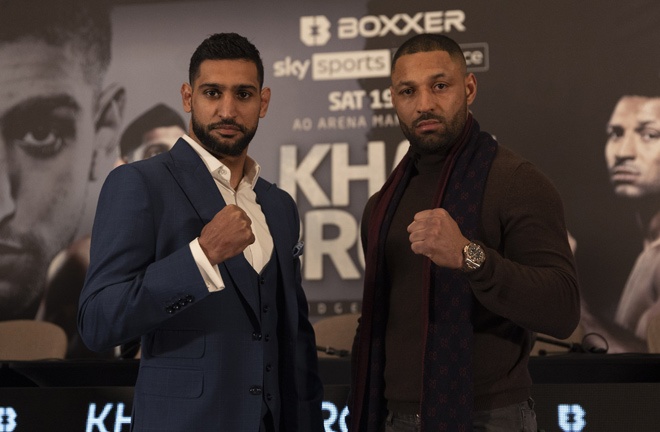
(178, 344)
(170, 382)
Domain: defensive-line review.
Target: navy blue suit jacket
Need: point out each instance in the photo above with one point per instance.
(201, 353)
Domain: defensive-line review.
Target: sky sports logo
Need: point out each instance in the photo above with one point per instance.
(337, 65)
(351, 65)
(364, 64)
(317, 30)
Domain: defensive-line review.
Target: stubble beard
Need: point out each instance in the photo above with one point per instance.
(24, 278)
(214, 145)
(437, 141)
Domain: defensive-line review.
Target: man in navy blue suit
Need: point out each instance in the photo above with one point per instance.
(200, 257)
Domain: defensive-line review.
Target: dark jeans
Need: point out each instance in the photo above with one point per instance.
(513, 418)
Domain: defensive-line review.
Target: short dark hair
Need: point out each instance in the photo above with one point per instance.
(225, 46)
(159, 115)
(428, 42)
(82, 24)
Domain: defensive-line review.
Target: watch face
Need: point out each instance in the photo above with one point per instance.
(474, 257)
(476, 254)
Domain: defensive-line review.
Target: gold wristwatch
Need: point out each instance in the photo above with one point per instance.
(473, 257)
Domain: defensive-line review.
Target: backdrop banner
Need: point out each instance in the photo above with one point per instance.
(550, 75)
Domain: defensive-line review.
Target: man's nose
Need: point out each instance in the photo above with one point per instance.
(226, 108)
(7, 202)
(627, 148)
(425, 101)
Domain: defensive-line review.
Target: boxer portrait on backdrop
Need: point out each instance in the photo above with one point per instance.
(60, 127)
(632, 155)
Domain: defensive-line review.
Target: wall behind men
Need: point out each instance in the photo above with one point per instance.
(549, 74)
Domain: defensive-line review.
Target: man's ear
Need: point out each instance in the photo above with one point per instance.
(107, 125)
(186, 97)
(265, 100)
(470, 88)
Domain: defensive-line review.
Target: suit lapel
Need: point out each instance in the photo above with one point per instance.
(193, 177)
(195, 180)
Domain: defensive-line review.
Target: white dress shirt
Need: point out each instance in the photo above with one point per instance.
(259, 252)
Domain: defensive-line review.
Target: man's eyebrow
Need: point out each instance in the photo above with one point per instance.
(34, 110)
(643, 124)
(224, 87)
(44, 103)
(408, 83)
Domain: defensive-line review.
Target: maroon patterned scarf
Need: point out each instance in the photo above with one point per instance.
(447, 395)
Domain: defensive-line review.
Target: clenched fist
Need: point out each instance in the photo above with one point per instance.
(436, 235)
(227, 235)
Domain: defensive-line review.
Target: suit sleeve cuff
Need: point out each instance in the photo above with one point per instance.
(210, 273)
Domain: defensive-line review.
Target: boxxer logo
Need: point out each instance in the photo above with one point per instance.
(7, 419)
(571, 417)
(314, 30)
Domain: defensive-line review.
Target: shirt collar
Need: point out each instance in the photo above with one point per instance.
(219, 171)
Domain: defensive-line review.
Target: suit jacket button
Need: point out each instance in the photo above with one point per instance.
(256, 336)
(255, 390)
(169, 310)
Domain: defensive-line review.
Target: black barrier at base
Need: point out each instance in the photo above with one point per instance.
(559, 407)
(573, 393)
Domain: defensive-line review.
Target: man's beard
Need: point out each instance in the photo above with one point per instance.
(434, 142)
(24, 277)
(213, 145)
